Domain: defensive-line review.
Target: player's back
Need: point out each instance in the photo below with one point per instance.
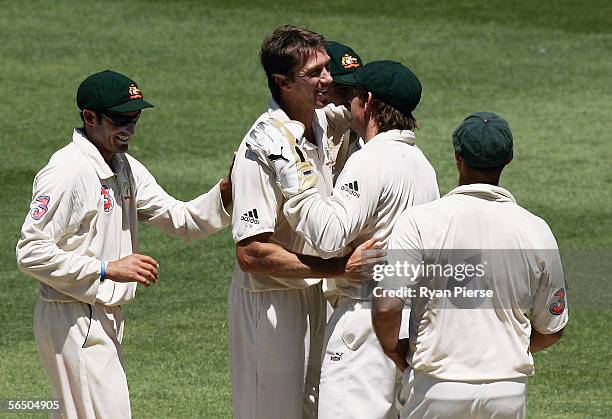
(403, 177)
(470, 323)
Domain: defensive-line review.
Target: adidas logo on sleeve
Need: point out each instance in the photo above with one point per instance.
(250, 217)
(351, 188)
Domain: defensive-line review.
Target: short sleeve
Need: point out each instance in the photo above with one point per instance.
(256, 197)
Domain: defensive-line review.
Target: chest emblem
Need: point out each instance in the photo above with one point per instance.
(107, 195)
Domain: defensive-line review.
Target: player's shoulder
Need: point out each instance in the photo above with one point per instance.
(264, 117)
(246, 161)
(67, 162)
(67, 171)
(438, 208)
(533, 224)
(243, 148)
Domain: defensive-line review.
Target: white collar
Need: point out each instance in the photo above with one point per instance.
(484, 191)
(93, 155)
(403, 136)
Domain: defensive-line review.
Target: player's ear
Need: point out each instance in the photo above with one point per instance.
(282, 81)
(368, 105)
(458, 161)
(89, 117)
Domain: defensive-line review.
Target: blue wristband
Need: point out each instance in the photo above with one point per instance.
(102, 271)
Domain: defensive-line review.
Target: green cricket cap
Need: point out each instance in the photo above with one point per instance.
(343, 61)
(484, 140)
(392, 83)
(110, 91)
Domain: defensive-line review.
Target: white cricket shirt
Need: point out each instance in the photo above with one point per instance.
(84, 212)
(520, 258)
(388, 175)
(258, 202)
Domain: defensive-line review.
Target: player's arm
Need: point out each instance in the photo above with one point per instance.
(203, 216)
(257, 254)
(327, 225)
(387, 321)
(331, 224)
(58, 209)
(549, 315)
(257, 200)
(404, 248)
(540, 341)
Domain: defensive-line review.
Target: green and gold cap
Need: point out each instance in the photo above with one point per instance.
(110, 91)
(484, 140)
(343, 61)
(392, 83)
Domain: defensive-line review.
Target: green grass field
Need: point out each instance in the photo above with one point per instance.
(544, 65)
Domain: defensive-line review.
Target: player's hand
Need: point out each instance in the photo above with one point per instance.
(338, 117)
(275, 145)
(133, 268)
(399, 355)
(360, 265)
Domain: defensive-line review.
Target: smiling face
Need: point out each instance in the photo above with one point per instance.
(110, 133)
(310, 84)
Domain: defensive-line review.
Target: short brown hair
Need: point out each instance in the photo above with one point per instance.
(386, 116)
(286, 50)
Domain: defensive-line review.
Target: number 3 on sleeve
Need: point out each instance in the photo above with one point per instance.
(41, 209)
(558, 307)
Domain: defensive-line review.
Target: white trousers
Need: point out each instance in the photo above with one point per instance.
(426, 397)
(276, 341)
(80, 349)
(357, 379)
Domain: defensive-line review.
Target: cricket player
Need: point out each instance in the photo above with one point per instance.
(80, 240)
(343, 141)
(277, 312)
(469, 351)
(388, 175)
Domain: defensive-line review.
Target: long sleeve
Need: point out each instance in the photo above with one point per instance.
(329, 225)
(56, 214)
(200, 217)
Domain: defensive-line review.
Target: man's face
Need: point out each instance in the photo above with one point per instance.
(311, 82)
(359, 120)
(111, 132)
(339, 94)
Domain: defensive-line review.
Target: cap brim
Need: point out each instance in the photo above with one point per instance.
(347, 79)
(131, 106)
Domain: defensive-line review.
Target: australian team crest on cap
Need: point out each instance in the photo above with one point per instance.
(134, 92)
(348, 61)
